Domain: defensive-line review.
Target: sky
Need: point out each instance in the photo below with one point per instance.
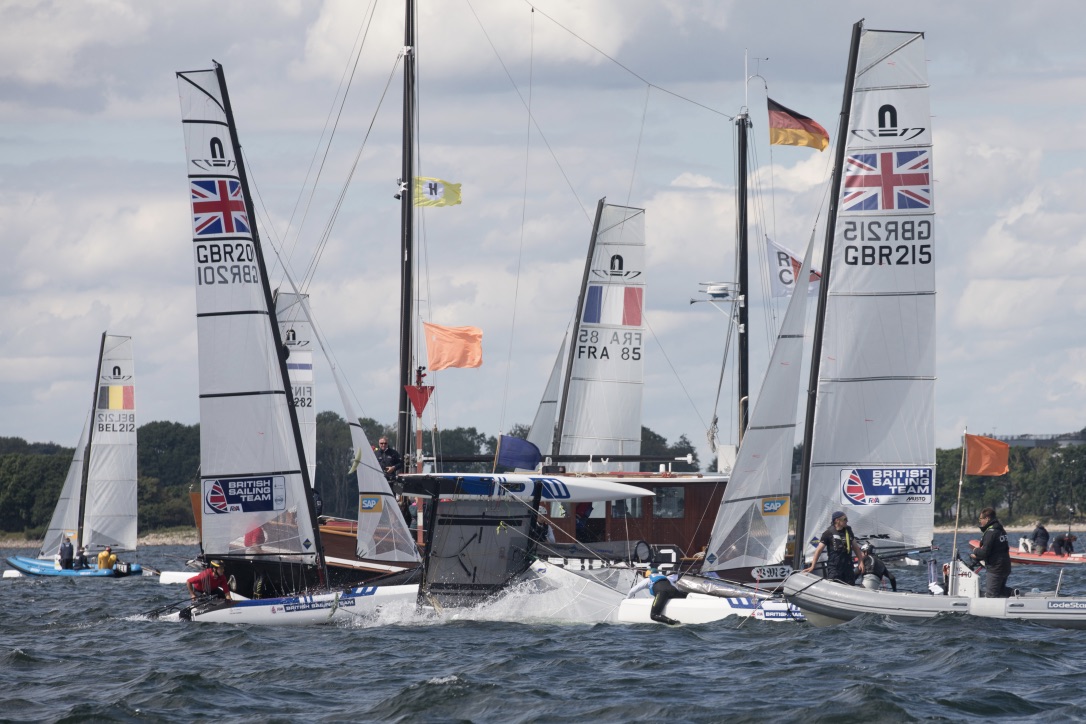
(630, 100)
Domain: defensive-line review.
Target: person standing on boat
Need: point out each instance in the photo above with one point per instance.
(106, 559)
(663, 589)
(1064, 544)
(389, 459)
(840, 545)
(208, 581)
(66, 553)
(1039, 539)
(995, 553)
(875, 570)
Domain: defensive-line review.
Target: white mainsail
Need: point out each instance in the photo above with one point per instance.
(65, 520)
(602, 413)
(109, 517)
(751, 527)
(255, 499)
(296, 331)
(873, 450)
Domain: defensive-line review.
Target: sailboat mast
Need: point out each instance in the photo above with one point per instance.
(742, 122)
(556, 445)
(407, 195)
(823, 296)
(86, 451)
(281, 351)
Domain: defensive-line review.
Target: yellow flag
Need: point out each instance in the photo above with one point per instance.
(435, 192)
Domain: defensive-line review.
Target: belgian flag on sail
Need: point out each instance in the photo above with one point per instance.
(116, 397)
(788, 128)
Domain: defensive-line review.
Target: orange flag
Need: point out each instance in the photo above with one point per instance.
(985, 456)
(453, 346)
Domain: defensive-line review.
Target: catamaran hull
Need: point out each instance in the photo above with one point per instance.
(45, 567)
(699, 608)
(828, 603)
(348, 605)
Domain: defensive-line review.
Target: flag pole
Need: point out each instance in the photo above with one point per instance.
(957, 517)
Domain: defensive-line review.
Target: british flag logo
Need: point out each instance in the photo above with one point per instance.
(854, 489)
(218, 207)
(216, 499)
(887, 181)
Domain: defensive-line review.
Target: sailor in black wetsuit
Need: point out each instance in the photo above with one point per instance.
(995, 553)
(840, 544)
(663, 590)
(875, 570)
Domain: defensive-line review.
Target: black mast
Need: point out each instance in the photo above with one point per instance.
(87, 449)
(823, 296)
(556, 445)
(742, 122)
(281, 350)
(407, 196)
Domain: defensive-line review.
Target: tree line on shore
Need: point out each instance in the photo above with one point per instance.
(1043, 482)
(168, 467)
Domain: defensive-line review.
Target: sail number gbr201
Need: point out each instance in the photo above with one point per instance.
(887, 242)
(608, 344)
(226, 262)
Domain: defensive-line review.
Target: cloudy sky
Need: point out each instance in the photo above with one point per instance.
(632, 100)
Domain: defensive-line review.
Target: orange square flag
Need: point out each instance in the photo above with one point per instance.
(985, 456)
(453, 346)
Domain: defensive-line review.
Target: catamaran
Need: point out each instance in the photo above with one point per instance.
(97, 506)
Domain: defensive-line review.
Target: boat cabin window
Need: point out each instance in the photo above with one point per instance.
(628, 508)
(669, 502)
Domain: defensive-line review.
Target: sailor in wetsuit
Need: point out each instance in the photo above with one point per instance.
(663, 590)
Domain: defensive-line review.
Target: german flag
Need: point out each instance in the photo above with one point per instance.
(788, 128)
(116, 397)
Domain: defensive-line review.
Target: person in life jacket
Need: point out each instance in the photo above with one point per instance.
(663, 590)
(840, 544)
(66, 551)
(875, 570)
(208, 581)
(995, 553)
(107, 558)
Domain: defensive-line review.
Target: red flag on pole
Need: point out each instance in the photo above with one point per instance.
(985, 456)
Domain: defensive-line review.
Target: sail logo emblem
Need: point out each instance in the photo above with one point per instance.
(218, 207)
(617, 270)
(887, 127)
(244, 495)
(369, 504)
(218, 160)
(887, 181)
(887, 486)
(775, 506)
(116, 375)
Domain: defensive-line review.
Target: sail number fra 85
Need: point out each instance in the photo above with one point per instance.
(230, 262)
(900, 237)
(607, 344)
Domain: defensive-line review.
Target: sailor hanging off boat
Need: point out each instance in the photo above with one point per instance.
(840, 544)
(211, 580)
(663, 589)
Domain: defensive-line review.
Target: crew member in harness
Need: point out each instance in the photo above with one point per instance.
(840, 544)
(210, 580)
(663, 590)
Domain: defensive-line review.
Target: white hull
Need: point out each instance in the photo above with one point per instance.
(310, 610)
(171, 577)
(826, 603)
(699, 608)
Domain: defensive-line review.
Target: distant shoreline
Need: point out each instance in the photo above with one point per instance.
(151, 539)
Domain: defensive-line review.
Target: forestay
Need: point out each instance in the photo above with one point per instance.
(251, 473)
(873, 451)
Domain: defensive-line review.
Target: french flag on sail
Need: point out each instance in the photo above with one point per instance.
(613, 305)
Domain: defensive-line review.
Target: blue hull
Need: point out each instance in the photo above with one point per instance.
(41, 567)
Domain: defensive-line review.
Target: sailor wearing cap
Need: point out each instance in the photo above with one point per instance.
(212, 580)
(840, 544)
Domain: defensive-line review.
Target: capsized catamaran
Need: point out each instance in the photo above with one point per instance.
(258, 512)
(869, 446)
(97, 507)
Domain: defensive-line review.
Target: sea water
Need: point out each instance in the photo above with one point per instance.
(81, 649)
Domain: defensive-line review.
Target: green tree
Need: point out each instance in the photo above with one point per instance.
(338, 489)
(655, 444)
(169, 452)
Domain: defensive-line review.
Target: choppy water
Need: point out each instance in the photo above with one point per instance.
(73, 650)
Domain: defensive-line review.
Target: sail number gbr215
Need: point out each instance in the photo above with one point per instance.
(887, 242)
(226, 262)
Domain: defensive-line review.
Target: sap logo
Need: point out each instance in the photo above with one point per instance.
(775, 506)
(369, 504)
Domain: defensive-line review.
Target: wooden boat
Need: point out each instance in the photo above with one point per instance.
(1048, 558)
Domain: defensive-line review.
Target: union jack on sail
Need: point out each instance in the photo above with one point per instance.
(218, 207)
(887, 180)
